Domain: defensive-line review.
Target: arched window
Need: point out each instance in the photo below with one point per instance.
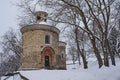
(47, 39)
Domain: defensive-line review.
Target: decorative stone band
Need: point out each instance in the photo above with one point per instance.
(63, 44)
(39, 27)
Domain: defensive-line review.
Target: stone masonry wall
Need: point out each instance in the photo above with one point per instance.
(33, 44)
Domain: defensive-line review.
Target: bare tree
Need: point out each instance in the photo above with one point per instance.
(11, 45)
(72, 50)
(73, 53)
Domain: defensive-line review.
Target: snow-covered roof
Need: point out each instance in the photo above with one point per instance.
(61, 43)
(43, 23)
(39, 27)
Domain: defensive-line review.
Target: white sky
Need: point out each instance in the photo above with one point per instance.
(8, 15)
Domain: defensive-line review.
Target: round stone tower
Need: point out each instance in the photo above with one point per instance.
(41, 46)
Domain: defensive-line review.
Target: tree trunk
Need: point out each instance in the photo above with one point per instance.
(83, 57)
(79, 57)
(106, 60)
(79, 51)
(97, 54)
(73, 59)
(111, 54)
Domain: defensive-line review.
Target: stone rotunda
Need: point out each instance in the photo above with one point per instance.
(41, 47)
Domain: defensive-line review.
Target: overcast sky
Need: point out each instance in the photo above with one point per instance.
(8, 15)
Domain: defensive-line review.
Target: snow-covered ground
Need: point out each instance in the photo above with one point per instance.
(76, 72)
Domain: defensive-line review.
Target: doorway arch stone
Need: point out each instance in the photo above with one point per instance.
(48, 57)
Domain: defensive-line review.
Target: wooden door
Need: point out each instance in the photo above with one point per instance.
(47, 62)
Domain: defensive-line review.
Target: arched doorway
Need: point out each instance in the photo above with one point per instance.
(47, 57)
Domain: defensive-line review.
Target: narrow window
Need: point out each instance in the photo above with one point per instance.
(47, 39)
(62, 56)
(118, 45)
